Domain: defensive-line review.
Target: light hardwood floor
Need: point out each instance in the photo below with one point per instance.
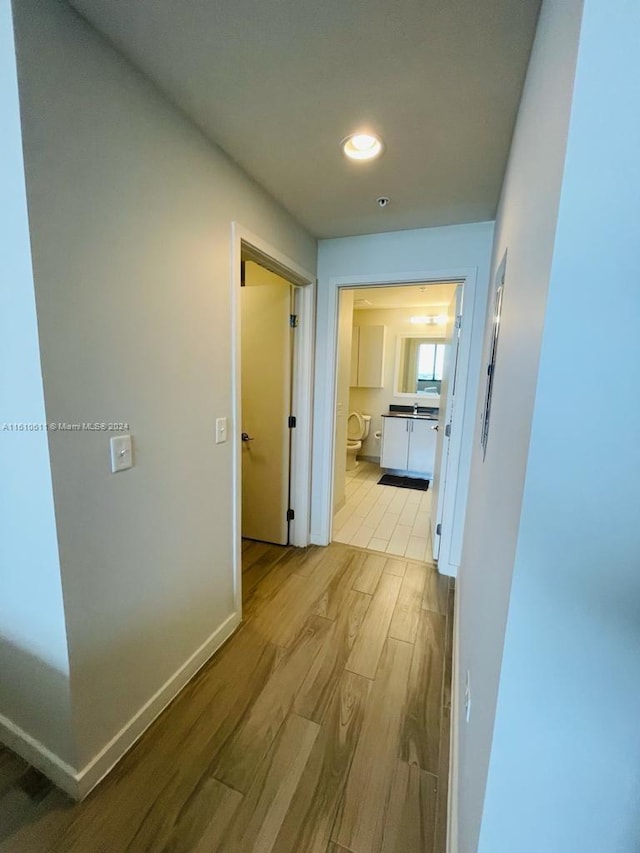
(322, 725)
(384, 518)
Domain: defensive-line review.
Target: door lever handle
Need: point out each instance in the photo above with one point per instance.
(246, 437)
(436, 427)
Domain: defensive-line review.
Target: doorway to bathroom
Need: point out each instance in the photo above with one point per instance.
(397, 354)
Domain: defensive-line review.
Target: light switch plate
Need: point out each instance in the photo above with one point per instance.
(121, 455)
(221, 430)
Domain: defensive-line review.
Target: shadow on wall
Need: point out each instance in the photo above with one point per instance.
(36, 697)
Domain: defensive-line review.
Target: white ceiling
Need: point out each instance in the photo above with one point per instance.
(278, 83)
(423, 296)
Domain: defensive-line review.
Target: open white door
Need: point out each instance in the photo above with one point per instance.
(445, 417)
(266, 301)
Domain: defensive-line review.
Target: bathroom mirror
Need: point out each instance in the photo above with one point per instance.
(419, 366)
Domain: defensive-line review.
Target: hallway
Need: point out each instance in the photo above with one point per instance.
(322, 725)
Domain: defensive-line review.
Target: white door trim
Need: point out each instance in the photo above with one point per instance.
(302, 402)
(467, 277)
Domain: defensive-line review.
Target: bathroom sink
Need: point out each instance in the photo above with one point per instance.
(409, 413)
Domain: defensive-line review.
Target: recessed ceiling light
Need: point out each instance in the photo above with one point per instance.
(362, 146)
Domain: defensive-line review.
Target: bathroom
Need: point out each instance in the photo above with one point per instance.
(391, 349)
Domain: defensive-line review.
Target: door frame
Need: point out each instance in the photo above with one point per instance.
(245, 243)
(442, 438)
(460, 438)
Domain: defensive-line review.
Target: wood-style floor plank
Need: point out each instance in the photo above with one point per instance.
(247, 746)
(257, 569)
(311, 729)
(370, 573)
(324, 674)
(12, 768)
(252, 551)
(436, 592)
(309, 821)
(421, 731)
(440, 845)
(367, 649)
(281, 618)
(394, 566)
(411, 811)
(448, 653)
(331, 601)
(33, 817)
(257, 822)
(440, 842)
(404, 623)
(305, 562)
(360, 823)
(203, 819)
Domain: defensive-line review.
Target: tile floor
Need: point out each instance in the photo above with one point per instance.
(384, 518)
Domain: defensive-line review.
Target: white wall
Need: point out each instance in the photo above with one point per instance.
(385, 258)
(564, 772)
(526, 225)
(34, 664)
(131, 212)
(376, 401)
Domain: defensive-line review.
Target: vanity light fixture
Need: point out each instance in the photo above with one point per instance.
(430, 320)
(362, 146)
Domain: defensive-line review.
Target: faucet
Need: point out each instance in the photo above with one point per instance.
(415, 408)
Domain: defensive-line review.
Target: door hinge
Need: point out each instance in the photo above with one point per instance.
(293, 321)
(292, 421)
(447, 430)
(459, 321)
(290, 515)
(438, 530)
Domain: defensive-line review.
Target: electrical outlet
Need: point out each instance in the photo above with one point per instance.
(467, 696)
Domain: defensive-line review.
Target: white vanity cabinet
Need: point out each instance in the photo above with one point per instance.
(409, 444)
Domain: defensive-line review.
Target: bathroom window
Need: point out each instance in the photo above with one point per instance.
(430, 361)
(419, 366)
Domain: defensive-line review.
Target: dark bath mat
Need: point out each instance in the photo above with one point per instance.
(404, 482)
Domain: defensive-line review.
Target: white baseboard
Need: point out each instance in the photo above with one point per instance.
(452, 810)
(37, 754)
(78, 783)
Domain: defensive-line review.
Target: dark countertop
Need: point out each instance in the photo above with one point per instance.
(413, 415)
(424, 413)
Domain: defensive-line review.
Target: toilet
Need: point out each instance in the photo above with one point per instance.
(357, 430)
